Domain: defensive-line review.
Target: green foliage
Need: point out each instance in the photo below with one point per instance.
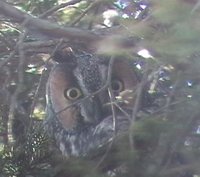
(38, 6)
(172, 31)
(166, 140)
(28, 156)
(68, 15)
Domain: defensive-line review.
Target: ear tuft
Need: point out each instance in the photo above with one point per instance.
(65, 55)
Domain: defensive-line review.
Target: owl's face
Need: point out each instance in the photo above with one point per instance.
(63, 90)
(74, 104)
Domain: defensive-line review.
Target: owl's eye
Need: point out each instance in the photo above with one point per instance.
(72, 93)
(117, 85)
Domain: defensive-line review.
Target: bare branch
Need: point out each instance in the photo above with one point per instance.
(56, 8)
(19, 86)
(137, 105)
(44, 27)
(105, 86)
(84, 13)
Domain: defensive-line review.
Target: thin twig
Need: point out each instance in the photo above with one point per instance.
(39, 44)
(136, 107)
(44, 27)
(122, 110)
(4, 106)
(11, 56)
(105, 86)
(183, 168)
(105, 155)
(112, 98)
(171, 95)
(180, 139)
(196, 7)
(19, 85)
(93, 4)
(36, 95)
(167, 152)
(4, 39)
(167, 106)
(56, 8)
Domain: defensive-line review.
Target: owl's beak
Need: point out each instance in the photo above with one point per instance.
(91, 110)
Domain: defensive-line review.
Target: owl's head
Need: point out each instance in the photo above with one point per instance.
(80, 100)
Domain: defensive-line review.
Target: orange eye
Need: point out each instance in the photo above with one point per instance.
(72, 93)
(117, 85)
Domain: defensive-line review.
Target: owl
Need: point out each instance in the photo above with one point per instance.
(85, 110)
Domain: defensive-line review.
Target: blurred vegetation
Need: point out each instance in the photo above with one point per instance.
(167, 133)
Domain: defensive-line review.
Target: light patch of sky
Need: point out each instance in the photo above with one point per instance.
(198, 130)
(138, 66)
(145, 53)
(109, 16)
(189, 83)
(121, 4)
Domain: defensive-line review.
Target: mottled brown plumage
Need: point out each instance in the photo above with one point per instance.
(80, 123)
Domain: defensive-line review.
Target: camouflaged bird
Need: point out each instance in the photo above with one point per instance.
(78, 119)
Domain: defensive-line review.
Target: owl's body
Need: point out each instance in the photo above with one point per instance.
(78, 120)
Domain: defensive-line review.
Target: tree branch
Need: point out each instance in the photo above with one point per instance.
(44, 27)
(55, 8)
